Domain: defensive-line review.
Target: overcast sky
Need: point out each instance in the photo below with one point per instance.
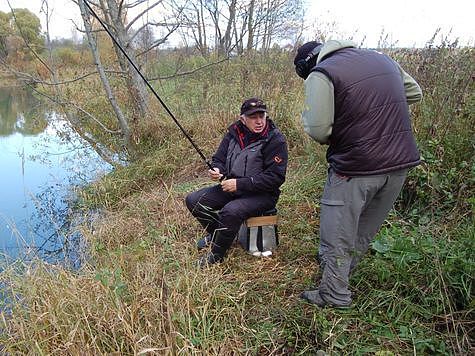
(406, 22)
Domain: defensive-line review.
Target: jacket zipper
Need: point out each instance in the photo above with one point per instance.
(230, 163)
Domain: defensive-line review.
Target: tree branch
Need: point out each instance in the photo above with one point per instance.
(32, 79)
(26, 43)
(132, 5)
(181, 74)
(141, 14)
(158, 42)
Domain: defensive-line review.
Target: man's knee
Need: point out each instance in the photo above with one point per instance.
(191, 200)
(231, 218)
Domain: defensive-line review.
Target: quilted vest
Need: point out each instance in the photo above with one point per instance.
(372, 131)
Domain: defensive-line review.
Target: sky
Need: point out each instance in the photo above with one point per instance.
(406, 23)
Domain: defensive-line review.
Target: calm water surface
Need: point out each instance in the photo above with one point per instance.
(41, 161)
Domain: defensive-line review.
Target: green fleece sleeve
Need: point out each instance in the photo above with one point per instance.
(317, 116)
(413, 90)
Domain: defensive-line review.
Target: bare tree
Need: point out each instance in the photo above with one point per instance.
(280, 19)
(194, 19)
(225, 41)
(124, 126)
(114, 16)
(241, 25)
(250, 25)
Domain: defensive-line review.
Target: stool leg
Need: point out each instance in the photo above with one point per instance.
(259, 242)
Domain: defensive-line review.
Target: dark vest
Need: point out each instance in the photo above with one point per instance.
(372, 131)
(245, 162)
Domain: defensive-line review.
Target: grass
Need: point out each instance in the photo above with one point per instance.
(141, 292)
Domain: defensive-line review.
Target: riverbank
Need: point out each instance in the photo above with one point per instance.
(142, 292)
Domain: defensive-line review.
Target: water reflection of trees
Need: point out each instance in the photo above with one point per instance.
(56, 227)
(21, 112)
(53, 231)
(56, 219)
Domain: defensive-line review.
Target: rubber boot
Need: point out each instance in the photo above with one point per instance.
(220, 244)
(204, 242)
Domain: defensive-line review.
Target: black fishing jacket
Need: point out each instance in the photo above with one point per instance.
(258, 162)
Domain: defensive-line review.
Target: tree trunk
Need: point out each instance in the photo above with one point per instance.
(108, 20)
(200, 32)
(238, 39)
(136, 85)
(100, 69)
(203, 26)
(267, 21)
(205, 41)
(226, 42)
(250, 26)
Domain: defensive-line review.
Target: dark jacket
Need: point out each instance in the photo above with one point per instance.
(257, 161)
(372, 131)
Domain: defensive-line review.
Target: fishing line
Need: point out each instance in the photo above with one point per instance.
(149, 86)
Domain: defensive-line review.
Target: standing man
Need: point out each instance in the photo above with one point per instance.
(356, 102)
(251, 164)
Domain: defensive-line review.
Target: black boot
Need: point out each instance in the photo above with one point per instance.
(204, 242)
(210, 258)
(220, 244)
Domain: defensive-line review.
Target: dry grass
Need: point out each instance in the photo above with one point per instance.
(141, 292)
(144, 292)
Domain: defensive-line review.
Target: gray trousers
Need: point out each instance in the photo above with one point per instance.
(352, 211)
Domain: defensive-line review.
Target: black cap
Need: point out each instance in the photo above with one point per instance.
(252, 105)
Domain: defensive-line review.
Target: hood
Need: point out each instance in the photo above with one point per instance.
(332, 46)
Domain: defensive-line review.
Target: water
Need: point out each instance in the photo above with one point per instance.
(41, 160)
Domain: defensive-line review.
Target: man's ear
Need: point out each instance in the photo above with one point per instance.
(241, 117)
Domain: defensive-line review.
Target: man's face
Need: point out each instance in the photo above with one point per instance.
(255, 122)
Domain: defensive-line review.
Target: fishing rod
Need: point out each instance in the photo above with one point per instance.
(203, 157)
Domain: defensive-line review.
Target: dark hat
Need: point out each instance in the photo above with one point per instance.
(252, 105)
(304, 50)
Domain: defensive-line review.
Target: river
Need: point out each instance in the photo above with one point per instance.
(42, 160)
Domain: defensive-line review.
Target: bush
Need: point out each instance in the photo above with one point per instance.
(443, 123)
(68, 56)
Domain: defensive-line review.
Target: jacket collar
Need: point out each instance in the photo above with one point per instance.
(245, 137)
(332, 46)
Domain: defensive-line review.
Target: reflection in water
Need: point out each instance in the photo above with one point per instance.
(39, 169)
(20, 112)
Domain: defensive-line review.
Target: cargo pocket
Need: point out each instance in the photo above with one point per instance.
(331, 213)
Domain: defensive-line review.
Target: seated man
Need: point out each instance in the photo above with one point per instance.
(251, 163)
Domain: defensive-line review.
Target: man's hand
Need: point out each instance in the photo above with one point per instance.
(214, 174)
(229, 185)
